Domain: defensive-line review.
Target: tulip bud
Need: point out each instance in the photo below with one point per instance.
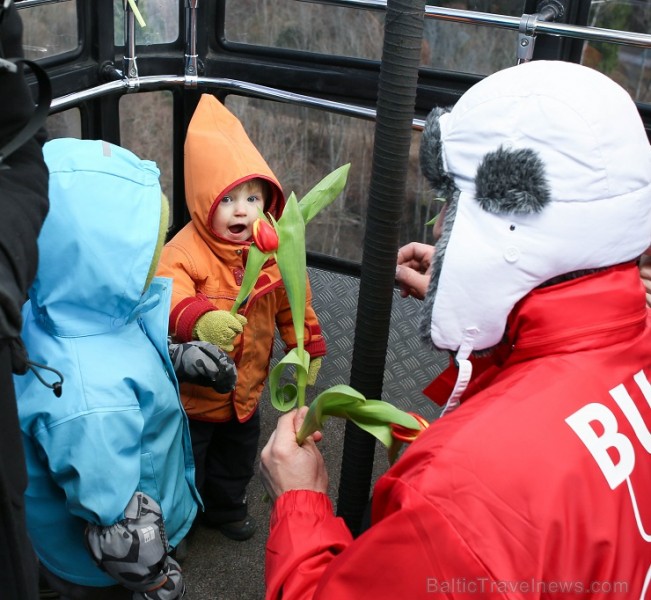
(265, 236)
(404, 434)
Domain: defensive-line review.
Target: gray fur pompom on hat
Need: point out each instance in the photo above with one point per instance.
(512, 182)
(507, 181)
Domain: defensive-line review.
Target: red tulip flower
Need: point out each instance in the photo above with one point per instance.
(404, 434)
(265, 236)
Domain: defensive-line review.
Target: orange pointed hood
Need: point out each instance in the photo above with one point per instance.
(218, 156)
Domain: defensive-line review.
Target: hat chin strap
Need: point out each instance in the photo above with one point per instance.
(465, 370)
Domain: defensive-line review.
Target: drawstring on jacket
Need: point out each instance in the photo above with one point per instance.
(57, 386)
(20, 364)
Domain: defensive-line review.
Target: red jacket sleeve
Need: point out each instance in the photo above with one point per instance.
(304, 537)
(411, 551)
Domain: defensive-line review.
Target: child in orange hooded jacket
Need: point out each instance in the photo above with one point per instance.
(227, 182)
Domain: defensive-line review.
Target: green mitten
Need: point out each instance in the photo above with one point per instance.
(313, 370)
(219, 327)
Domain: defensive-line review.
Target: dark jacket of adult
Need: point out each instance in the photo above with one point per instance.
(23, 206)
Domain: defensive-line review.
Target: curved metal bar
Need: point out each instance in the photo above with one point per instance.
(75, 98)
(261, 91)
(159, 82)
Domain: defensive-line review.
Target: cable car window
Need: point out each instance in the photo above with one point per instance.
(305, 26)
(627, 65)
(315, 27)
(49, 29)
(146, 129)
(64, 124)
(302, 145)
(472, 49)
(161, 19)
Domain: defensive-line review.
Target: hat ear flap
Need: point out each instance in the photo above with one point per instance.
(512, 182)
(431, 155)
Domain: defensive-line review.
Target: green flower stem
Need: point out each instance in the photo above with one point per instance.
(254, 264)
(301, 385)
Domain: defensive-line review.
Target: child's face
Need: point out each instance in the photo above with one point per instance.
(235, 213)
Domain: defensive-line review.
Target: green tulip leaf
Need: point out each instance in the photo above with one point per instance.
(373, 416)
(378, 410)
(329, 402)
(380, 431)
(285, 397)
(323, 193)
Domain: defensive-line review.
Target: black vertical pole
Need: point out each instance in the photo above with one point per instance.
(395, 111)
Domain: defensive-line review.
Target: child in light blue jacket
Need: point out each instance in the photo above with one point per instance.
(111, 477)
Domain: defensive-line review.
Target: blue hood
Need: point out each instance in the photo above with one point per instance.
(92, 280)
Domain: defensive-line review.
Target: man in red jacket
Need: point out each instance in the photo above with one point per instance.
(535, 482)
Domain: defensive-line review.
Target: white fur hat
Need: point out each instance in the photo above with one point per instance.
(547, 169)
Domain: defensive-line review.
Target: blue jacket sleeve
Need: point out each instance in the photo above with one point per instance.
(95, 458)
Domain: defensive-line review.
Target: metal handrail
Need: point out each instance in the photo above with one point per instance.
(598, 34)
(158, 82)
(32, 3)
(507, 22)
